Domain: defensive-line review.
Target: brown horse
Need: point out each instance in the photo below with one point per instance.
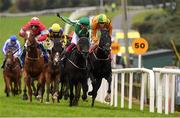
(12, 74)
(52, 73)
(34, 66)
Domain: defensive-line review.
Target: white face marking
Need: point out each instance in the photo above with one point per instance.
(56, 59)
(28, 34)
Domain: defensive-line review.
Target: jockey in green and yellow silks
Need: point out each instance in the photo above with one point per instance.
(99, 22)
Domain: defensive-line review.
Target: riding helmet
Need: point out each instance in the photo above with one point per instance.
(56, 27)
(102, 18)
(13, 38)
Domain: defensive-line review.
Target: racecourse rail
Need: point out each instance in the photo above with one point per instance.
(154, 77)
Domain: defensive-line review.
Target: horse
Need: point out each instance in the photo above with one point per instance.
(100, 63)
(34, 66)
(12, 74)
(75, 71)
(52, 73)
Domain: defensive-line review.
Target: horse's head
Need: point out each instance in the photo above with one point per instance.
(30, 40)
(105, 41)
(10, 59)
(57, 45)
(56, 51)
(83, 46)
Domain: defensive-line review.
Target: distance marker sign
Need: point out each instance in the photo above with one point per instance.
(140, 46)
(115, 48)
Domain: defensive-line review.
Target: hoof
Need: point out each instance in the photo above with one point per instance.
(38, 97)
(84, 97)
(55, 96)
(47, 102)
(25, 97)
(108, 98)
(90, 93)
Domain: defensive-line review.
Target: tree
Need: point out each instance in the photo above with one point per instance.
(4, 4)
(23, 5)
(178, 7)
(38, 4)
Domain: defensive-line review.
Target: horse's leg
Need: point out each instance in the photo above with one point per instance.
(37, 95)
(25, 97)
(66, 92)
(108, 96)
(47, 90)
(12, 88)
(71, 94)
(96, 87)
(15, 87)
(7, 82)
(93, 82)
(5, 87)
(19, 85)
(41, 81)
(48, 87)
(85, 89)
(28, 82)
(77, 93)
(19, 82)
(35, 92)
(61, 90)
(56, 88)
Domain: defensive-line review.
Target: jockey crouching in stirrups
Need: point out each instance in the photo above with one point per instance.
(81, 30)
(40, 33)
(55, 32)
(12, 43)
(99, 23)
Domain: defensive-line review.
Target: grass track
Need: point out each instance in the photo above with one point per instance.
(16, 107)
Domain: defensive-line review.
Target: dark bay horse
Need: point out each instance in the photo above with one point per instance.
(12, 74)
(75, 71)
(52, 73)
(34, 66)
(100, 62)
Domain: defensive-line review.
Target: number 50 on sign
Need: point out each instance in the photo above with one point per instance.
(140, 46)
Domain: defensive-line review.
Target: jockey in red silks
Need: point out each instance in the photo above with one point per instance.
(39, 31)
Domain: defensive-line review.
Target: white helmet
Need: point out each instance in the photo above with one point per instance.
(34, 18)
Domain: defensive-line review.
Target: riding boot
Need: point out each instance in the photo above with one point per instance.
(92, 47)
(44, 53)
(63, 59)
(4, 61)
(22, 57)
(19, 61)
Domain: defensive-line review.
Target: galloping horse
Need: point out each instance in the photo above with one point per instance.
(34, 65)
(12, 74)
(52, 72)
(75, 71)
(100, 62)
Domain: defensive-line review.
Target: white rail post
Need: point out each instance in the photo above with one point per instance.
(142, 91)
(151, 89)
(122, 90)
(166, 94)
(173, 93)
(112, 90)
(159, 92)
(116, 90)
(130, 90)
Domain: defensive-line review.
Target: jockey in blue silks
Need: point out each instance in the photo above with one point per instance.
(12, 43)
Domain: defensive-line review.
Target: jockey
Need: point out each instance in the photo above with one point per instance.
(99, 22)
(12, 43)
(55, 31)
(81, 30)
(39, 31)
